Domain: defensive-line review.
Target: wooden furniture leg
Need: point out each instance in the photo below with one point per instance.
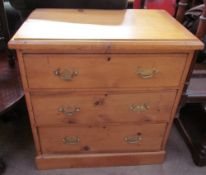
(182, 6)
(191, 125)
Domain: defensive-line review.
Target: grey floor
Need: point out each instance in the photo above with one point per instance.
(17, 149)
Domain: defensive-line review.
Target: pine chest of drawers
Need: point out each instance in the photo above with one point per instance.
(102, 87)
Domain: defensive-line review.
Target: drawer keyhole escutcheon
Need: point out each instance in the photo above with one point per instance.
(71, 140)
(133, 139)
(146, 73)
(69, 110)
(66, 74)
(139, 107)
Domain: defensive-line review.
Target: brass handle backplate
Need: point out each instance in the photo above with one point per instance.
(139, 107)
(133, 139)
(71, 140)
(146, 73)
(66, 74)
(69, 110)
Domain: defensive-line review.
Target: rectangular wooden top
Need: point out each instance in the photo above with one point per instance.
(66, 26)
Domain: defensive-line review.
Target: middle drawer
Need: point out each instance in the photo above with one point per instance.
(101, 107)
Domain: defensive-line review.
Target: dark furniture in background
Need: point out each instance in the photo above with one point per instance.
(4, 24)
(9, 22)
(168, 5)
(25, 7)
(10, 86)
(192, 115)
(5, 30)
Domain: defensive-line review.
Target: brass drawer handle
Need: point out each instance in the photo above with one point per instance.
(146, 73)
(133, 139)
(139, 108)
(69, 110)
(71, 140)
(66, 74)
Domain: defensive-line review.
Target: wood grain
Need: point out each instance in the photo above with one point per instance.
(110, 138)
(28, 102)
(62, 28)
(105, 46)
(104, 24)
(99, 160)
(104, 71)
(101, 107)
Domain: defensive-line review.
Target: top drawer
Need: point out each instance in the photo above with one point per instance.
(103, 70)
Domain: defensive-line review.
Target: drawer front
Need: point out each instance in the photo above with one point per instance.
(102, 107)
(117, 138)
(100, 71)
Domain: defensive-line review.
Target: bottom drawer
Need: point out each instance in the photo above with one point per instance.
(99, 139)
